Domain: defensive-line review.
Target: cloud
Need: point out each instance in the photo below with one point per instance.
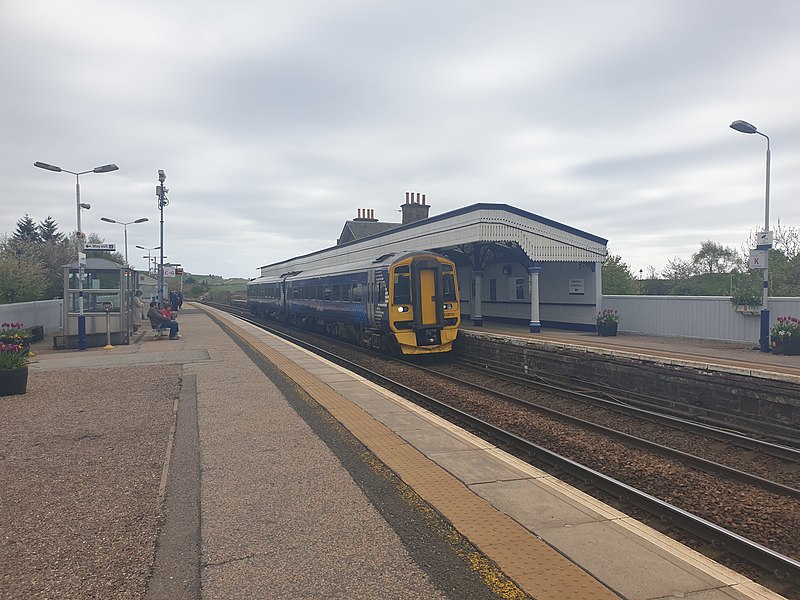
(276, 122)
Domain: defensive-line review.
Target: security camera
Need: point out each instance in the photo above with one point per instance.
(86, 206)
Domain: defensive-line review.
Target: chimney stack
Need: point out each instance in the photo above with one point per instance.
(366, 214)
(415, 208)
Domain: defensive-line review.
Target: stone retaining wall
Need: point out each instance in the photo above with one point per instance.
(772, 402)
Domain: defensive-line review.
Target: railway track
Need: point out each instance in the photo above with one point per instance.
(790, 455)
(516, 432)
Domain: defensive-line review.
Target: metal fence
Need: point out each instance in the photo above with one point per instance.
(47, 313)
(704, 317)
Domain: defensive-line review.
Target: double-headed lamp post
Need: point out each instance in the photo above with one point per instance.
(765, 240)
(125, 225)
(148, 256)
(81, 256)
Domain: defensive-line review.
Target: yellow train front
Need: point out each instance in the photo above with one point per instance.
(423, 313)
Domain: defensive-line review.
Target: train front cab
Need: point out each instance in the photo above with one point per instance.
(423, 309)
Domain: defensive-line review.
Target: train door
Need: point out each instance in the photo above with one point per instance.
(371, 299)
(426, 284)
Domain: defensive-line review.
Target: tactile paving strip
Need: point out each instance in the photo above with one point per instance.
(536, 567)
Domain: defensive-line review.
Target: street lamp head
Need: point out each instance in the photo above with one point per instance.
(42, 165)
(142, 220)
(85, 205)
(107, 220)
(104, 168)
(744, 127)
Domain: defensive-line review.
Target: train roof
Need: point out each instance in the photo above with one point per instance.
(383, 260)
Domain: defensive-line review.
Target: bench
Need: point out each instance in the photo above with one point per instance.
(158, 332)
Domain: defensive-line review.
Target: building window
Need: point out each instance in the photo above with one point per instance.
(493, 290)
(519, 285)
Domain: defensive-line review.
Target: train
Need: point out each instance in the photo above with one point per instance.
(403, 303)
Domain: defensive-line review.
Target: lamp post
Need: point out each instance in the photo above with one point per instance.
(148, 255)
(161, 193)
(125, 225)
(81, 255)
(766, 240)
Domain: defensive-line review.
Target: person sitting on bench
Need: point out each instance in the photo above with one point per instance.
(159, 321)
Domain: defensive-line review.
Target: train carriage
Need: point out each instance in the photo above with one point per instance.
(406, 303)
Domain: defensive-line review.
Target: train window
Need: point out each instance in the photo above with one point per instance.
(295, 293)
(346, 289)
(358, 293)
(327, 293)
(402, 288)
(336, 296)
(448, 287)
(402, 269)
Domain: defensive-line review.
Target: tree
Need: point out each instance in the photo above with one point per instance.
(714, 258)
(678, 270)
(48, 231)
(617, 277)
(21, 278)
(26, 230)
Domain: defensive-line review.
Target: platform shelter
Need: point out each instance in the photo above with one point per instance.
(512, 265)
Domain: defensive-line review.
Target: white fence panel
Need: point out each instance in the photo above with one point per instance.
(47, 313)
(704, 317)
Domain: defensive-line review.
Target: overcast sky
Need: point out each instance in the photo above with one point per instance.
(276, 121)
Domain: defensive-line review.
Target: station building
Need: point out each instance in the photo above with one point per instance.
(512, 265)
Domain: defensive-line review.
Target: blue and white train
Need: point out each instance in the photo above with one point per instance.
(401, 303)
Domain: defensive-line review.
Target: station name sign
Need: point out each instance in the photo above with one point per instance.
(101, 247)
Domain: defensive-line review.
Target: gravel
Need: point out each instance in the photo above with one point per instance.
(81, 455)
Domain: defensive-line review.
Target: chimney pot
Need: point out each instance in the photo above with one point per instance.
(423, 199)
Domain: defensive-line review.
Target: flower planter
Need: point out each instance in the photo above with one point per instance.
(606, 329)
(790, 347)
(13, 381)
(745, 310)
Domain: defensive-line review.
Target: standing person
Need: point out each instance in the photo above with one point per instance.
(179, 294)
(159, 321)
(138, 309)
(173, 300)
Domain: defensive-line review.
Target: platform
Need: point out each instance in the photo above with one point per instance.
(266, 495)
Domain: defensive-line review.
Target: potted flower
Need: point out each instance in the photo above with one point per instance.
(747, 303)
(785, 336)
(14, 360)
(607, 322)
(14, 333)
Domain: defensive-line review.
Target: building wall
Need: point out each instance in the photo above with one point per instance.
(567, 293)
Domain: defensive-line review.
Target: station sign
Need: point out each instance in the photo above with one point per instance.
(576, 287)
(101, 247)
(758, 259)
(169, 271)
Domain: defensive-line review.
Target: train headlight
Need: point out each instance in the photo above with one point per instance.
(402, 309)
(448, 306)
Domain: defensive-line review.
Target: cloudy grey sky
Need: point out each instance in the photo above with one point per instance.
(276, 121)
